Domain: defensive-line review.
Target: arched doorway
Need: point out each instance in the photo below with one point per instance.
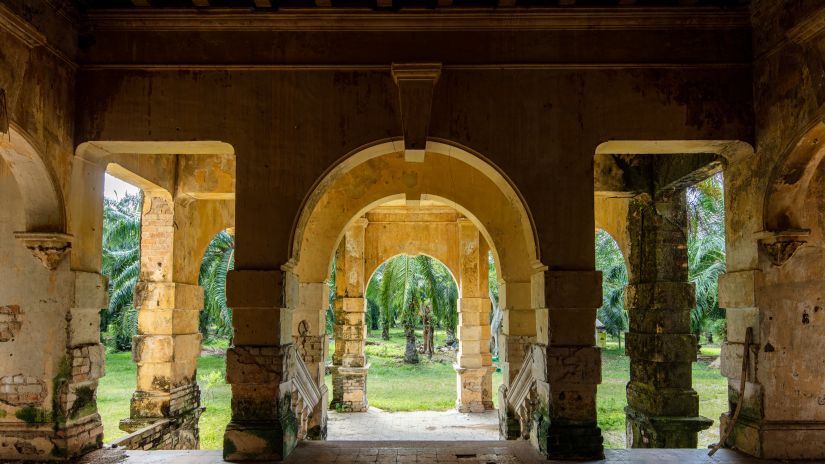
(332, 219)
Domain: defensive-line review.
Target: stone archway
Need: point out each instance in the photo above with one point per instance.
(45, 215)
(449, 175)
(777, 301)
(188, 196)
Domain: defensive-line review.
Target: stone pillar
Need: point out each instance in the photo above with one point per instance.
(50, 353)
(474, 361)
(566, 364)
(168, 342)
(263, 426)
(310, 339)
(662, 407)
(349, 363)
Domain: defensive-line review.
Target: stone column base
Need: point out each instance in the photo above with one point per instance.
(256, 441)
(474, 386)
(349, 389)
(645, 431)
(41, 442)
(566, 440)
(777, 439)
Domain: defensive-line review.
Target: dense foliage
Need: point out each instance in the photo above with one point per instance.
(121, 264)
(219, 258)
(706, 261)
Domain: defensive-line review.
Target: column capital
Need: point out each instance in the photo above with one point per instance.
(360, 222)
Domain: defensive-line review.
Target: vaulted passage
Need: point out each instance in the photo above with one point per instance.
(288, 151)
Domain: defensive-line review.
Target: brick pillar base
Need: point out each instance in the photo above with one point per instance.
(263, 426)
(475, 387)
(349, 389)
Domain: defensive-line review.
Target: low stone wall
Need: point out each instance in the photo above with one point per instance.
(178, 433)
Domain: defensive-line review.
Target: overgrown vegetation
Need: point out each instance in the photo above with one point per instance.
(121, 263)
(706, 261)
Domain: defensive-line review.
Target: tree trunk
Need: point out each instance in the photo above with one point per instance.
(431, 344)
(427, 322)
(385, 332)
(450, 336)
(410, 354)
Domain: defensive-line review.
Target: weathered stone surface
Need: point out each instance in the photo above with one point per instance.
(11, 320)
(661, 347)
(573, 289)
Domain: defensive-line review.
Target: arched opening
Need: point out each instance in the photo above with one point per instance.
(486, 214)
(668, 245)
(159, 233)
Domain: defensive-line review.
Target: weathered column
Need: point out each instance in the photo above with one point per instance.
(566, 364)
(474, 361)
(349, 363)
(263, 425)
(310, 339)
(663, 408)
(168, 342)
(49, 339)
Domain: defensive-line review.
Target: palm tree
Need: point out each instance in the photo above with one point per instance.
(610, 261)
(218, 259)
(121, 264)
(416, 286)
(706, 250)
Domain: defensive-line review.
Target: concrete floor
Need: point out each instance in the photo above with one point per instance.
(513, 452)
(379, 425)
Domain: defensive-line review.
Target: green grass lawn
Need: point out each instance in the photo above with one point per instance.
(116, 388)
(394, 386)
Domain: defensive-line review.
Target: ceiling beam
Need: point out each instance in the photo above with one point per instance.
(141, 3)
(442, 3)
(384, 3)
(567, 2)
(323, 3)
(200, 3)
(263, 3)
(506, 3)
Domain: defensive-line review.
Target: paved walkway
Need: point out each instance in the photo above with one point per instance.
(510, 452)
(376, 424)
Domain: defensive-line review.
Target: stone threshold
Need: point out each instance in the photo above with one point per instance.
(514, 452)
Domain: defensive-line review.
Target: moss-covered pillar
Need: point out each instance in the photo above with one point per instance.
(566, 364)
(310, 339)
(168, 342)
(474, 361)
(263, 426)
(349, 362)
(662, 407)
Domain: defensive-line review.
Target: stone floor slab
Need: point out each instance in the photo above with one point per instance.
(452, 452)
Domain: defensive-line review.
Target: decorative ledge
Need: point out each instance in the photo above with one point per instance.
(48, 247)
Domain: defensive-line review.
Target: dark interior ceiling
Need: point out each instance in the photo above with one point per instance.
(403, 4)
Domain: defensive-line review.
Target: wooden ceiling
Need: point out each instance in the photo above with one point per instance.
(401, 4)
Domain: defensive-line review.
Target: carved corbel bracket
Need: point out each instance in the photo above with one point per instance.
(415, 88)
(48, 247)
(780, 246)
